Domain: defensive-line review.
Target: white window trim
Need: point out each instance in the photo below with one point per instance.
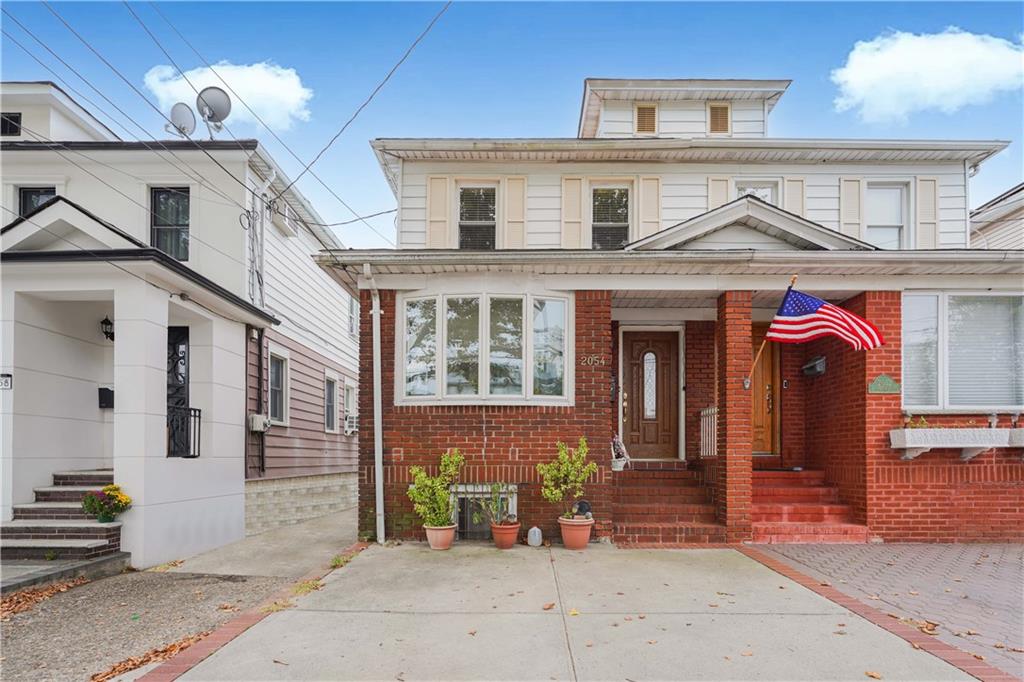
(460, 181)
(942, 361)
(776, 180)
(13, 185)
(353, 316)
(707, 117)
(331, 375)
(908, 239)
(636, 119)
(484, 396)
(349, 384)
(274, 350)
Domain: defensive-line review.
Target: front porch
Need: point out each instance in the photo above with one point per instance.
(704, 425)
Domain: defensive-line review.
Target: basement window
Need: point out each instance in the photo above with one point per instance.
(473, 525)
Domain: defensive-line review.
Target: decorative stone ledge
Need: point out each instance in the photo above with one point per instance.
(971, 441)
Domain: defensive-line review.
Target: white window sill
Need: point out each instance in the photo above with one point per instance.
(964, 411)
(484, 402)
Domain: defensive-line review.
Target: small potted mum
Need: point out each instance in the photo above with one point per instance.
(432, 499)
(563, 480)
(495, 508)
(106, 503)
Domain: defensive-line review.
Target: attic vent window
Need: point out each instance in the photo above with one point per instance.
(10, 124)
(646, 119)
(718, 118)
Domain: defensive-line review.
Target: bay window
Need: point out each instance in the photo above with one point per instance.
(963, 351)
(484, 347)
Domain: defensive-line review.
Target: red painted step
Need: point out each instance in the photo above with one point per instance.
(644, 533)
(769, 477)
(820, 494)
(808, 533)
(801, 512)
(664, 513)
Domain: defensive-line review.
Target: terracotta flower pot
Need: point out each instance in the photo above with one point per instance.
(440, 537)
(505, 535)
(575, 532)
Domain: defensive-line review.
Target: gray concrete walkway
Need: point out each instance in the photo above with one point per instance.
(286, 552)
(475, 613)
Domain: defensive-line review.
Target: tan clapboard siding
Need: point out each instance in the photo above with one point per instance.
(718, 191)
(572, 213)
(646, 118)
(794, 192)
(927, 213)
(851, 206)
(650, 205)
(515, 213)
(438, 206)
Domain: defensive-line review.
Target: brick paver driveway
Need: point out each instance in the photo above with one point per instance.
(975, 592)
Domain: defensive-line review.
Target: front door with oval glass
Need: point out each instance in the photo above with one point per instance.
(650, 394)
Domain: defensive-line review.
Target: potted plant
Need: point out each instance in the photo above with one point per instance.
(620, 458)
(495, 508)
(563, 480)
(106, 504)
(432, 499)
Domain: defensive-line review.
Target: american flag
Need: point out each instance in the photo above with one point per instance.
(803, 317)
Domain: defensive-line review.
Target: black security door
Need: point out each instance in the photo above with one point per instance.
(177, 392)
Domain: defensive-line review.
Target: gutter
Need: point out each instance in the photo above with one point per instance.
(378, 408)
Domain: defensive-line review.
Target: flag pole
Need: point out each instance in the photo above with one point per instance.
(750, 377)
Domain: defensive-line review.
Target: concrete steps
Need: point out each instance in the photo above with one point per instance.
(55, 527)
(799, 507)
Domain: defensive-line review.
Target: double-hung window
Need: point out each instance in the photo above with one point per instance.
(31, 198)
(478, 210)
(277, 389)
(169, 209)
(330, 402)
(886, 215)
(485, 347)
(609, 217)
(963, 351)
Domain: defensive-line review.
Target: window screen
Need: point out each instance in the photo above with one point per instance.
(477, 217)
(610, 218)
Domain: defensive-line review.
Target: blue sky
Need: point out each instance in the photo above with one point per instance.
(496, 70)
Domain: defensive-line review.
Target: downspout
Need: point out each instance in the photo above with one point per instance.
(378, 406)
(267, 207)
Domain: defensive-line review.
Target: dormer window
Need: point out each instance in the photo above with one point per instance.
(719, 118)
(477, 217)
(10, 124)
(610, 217)
(646, 117)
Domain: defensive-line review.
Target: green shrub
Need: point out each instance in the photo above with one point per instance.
(494, 507)
(565, 475)
(431, 495)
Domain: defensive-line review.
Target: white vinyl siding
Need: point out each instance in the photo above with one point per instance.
(963, 351)
(684, 191)
(682, 118)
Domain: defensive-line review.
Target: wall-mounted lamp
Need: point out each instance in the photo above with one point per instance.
(107, 327)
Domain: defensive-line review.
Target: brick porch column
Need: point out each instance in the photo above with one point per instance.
(733, 480)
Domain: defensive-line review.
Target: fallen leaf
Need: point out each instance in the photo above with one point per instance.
(620, 593)
(842, 625)
(652, 641)
(979, 657)
(825, 584)
(471, 633)
(573, 612)
(972, 632)
(279, 662)
(747, 653)
(725, 594)
(26, 599)
(873, 675)
(874, 597)
(726, 658)
(839, 632)
(151, 656)
(948, 590)
(641, 616)
(227, 607)
(912, 592)
(628, 618)
(999, 645)
(590, 644)
(550, 605)
(782, 587)
(1017, 650)
(916, 646)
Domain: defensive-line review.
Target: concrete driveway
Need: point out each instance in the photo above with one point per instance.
(475, 613)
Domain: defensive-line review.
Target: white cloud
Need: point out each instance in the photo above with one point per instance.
(274, 92)
(897, 74)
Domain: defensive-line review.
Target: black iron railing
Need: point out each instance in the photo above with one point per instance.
(183, 431)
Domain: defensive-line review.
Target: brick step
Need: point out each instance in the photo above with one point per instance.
(656, 476)
(664, 513)
(663, 496)
(100, 477)
(55, 549)
(49, 510)
(802, 512)
(653, 534)
(786, 478)
(790, 494)
(63, 529)
(657, 465)
(63, 493)
(809, 533)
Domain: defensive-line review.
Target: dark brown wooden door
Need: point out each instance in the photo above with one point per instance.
(765, 395)
(650, 400)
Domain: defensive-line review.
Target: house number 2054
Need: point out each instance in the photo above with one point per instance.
(590, 360)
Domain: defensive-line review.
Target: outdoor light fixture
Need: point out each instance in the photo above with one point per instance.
(108, 328)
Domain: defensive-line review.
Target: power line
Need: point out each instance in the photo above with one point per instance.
(275, 135)
(372, 95)
(198, 177)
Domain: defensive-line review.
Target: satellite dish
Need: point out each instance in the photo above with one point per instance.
(213, 104)
(183, 121)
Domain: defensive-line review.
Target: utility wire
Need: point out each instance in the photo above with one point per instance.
(277, 137)
(372, 95)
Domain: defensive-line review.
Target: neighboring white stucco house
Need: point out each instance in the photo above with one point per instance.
(999, 222)
(217, 312)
